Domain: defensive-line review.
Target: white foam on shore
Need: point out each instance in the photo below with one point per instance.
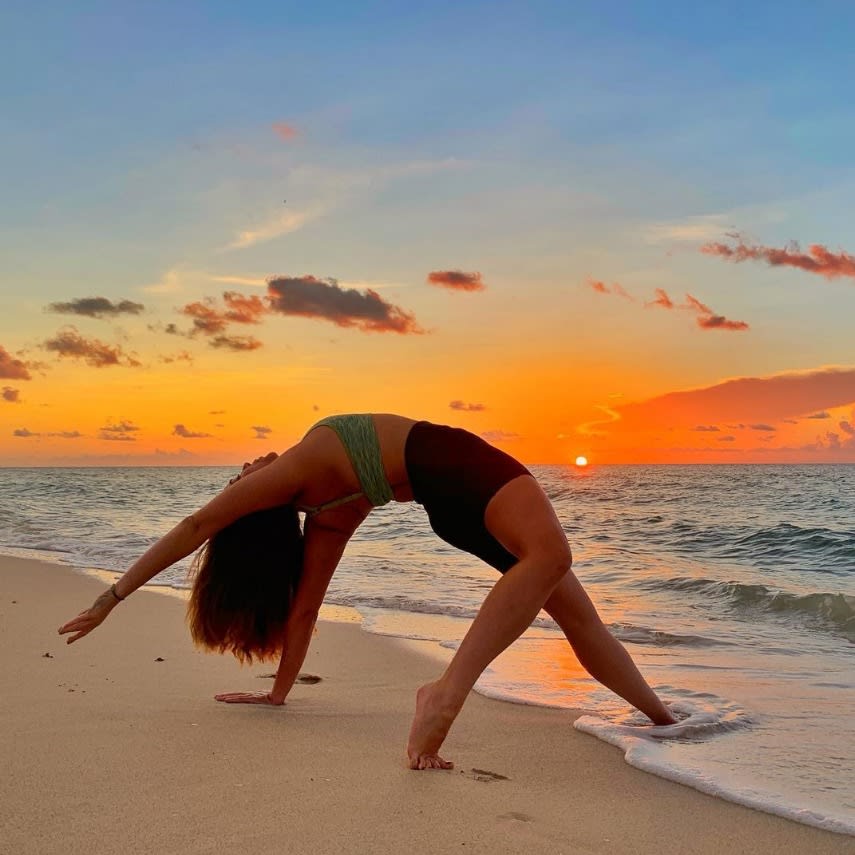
(643, 747)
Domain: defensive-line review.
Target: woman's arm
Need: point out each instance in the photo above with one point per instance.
(274, 484)
(322, 552)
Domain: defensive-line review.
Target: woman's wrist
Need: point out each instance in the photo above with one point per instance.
(116, 595)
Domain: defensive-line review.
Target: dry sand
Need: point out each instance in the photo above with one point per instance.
(115, 745)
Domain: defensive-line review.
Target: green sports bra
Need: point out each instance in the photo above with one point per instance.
(359, 438)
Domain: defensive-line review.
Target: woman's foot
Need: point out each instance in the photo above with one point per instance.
(430, 726)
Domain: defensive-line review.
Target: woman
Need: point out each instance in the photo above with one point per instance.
(261, 582)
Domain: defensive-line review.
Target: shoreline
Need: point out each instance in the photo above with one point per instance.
(111, 749)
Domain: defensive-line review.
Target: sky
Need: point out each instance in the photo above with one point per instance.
(620, 231)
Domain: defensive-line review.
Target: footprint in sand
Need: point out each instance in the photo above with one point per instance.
(306, 679)
(485, 776)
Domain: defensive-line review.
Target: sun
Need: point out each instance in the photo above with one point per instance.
(581, 461)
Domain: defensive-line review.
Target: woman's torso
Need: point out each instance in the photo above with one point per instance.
(330, 474)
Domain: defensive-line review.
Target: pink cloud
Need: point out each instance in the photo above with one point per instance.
(756, 401)
(285, 131)
(456, 280)
(615, 288)
(818, 259)
(706, 318)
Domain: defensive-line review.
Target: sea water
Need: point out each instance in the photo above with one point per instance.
(733, 588)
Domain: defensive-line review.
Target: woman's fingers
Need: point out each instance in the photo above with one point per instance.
(243, 698)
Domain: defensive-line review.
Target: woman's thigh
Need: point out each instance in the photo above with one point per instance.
(521, 517)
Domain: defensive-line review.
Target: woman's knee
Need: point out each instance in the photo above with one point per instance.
(553, 561)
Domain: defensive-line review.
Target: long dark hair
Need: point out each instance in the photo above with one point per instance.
(245, 579)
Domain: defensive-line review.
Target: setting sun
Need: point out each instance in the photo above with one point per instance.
(581, 461)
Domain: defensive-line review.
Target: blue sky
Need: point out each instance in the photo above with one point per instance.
(542, 143)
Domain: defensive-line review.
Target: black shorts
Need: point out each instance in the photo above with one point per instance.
(454, 474)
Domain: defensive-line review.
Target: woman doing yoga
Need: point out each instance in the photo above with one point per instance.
(260, 580)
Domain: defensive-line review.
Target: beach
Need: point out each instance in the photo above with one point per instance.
(115, 744)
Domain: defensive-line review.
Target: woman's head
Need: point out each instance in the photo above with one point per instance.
(245, 579)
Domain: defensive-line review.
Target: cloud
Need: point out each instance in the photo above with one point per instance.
(235, 342)
(468, 408)
(68, 343)
(706, 227)
(743, 400)
(662, 299)
(11, 368)
(763, 427)
(330, 189)
(216, 412)
(615, 288)
(261, 431)
(498, 435)
(706, 318)
(96, 307)
(818, 259)
(309, 297)
(284, 131)
(186, 433)
(240, 309)
(728, 438)
(822, 415)
(705, 428)
(181, 356)
(456, 280)
(281, 223)
(11, 395)
(119, 432)
(23, 432)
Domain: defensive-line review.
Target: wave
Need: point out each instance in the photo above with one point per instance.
(835, 612)
(702, 722)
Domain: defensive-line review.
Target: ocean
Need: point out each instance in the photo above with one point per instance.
(733, 587)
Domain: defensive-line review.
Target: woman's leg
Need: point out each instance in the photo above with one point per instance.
(600, 653)
(521, 518)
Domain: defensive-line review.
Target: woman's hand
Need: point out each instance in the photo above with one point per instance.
(263, 698)
(258, 463)
(88, 619)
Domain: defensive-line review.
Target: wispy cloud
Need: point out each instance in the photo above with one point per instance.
(261, 431)
(235, 342)
(818, 259)
(68, 343)
(705, 318)
(499, 436)
(10, 395)
(690, 229)
(11, 368)
(326, 190)
(185, 432)
(285, 131)
(181, 356)
(96, 307)
(277, 225)
(60, 434)
(468, 408)
(456, 280)
(615, 288)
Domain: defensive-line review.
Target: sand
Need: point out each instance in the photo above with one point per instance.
(115, 745)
